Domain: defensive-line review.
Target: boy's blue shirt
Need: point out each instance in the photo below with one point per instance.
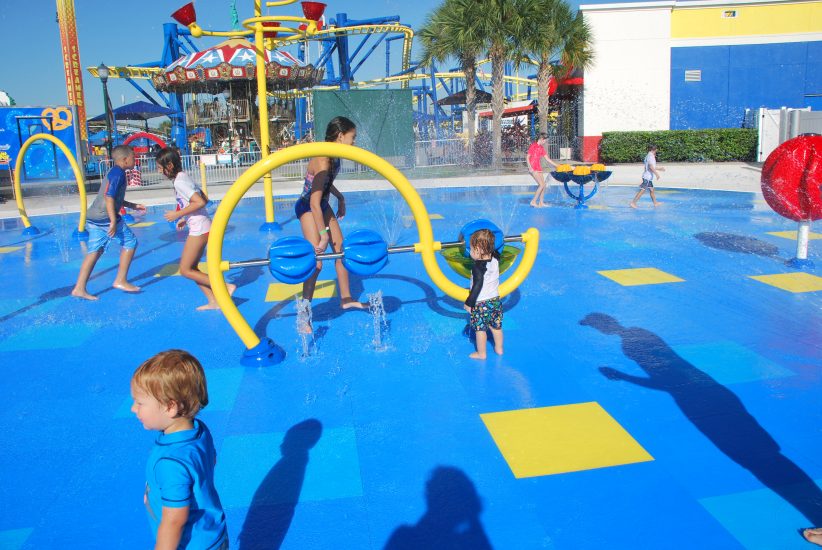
(114, 187)
(180, 472)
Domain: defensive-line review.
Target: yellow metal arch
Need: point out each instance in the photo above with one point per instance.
(81, 184)
(426, 247)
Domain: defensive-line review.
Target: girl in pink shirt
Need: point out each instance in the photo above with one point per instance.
(535, 153)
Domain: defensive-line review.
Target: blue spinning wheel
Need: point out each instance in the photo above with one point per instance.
(582, 180)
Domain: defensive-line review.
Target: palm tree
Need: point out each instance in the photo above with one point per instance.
(503, 24)
(448, 32)
(556, 33)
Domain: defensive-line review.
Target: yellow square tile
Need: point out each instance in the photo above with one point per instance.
(7, 249)
(792, 282)
(640, 276)
(792, 235)
(142, 224)
(666, 191)
(278, 292)
(565, 438)
(171, 270)
(598, 207)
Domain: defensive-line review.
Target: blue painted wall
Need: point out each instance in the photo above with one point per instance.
(738, 77)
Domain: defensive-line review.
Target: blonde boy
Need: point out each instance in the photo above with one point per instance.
(183, 507)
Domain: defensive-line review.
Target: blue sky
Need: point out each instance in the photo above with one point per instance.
(121, 33)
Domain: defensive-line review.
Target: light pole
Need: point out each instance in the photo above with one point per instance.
(102, 72)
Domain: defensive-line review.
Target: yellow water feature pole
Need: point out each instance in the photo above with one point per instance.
(80, 232)
(265, 352)
(262, 105)
(254, 26)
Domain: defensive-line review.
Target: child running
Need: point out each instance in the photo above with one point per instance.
(536, 152)
(104, 223)
(183, 506)
(651, 170)
(319, 224)
(191, 202)
(483, 302)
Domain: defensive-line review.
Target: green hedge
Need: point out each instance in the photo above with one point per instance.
(719, 144)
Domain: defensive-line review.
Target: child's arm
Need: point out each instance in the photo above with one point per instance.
(171, 528)
(195, 202)
(315, 201)
(134, 206)
(340, 201)
(111, 210)
(477, 278)
(551, 162)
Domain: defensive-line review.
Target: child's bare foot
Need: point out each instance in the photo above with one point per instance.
(476, 355)
(633, 205)
(126, 287)
(349, 303)
(208, 306)
(657, 203)
(813, 535)
(83, 294)
(498, 350)
(533, 204)
(542, 205)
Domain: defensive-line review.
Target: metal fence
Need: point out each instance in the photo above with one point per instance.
(226, 168)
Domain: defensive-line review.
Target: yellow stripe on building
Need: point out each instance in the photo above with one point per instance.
(746, 20)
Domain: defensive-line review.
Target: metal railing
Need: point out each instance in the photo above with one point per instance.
(236, 110)
(441, 152)
(227, 168)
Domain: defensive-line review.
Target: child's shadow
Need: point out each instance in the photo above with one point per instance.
(274, 501)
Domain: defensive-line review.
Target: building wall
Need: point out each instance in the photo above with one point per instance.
(628, 85)
(749, 56)
(738, 53)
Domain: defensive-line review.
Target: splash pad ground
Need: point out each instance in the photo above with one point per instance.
(659, 389)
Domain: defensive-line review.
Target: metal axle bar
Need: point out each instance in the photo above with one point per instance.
(339, 255)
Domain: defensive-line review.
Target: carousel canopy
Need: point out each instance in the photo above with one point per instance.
(234, 61)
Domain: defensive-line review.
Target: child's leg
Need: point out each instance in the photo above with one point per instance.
(497, 333)
(128, 244)
(121, 281)
(189, 268)
(86, 268)
(653, 196)
(309, 229)
(537, 200)
(482, 341)
(636, 197)
(813, 535)
(346, 301)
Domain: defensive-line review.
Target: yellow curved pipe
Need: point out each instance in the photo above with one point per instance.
(426, 247)
(81, 184)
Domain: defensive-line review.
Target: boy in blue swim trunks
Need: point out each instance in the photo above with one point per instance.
(183, 506)
(104, 224)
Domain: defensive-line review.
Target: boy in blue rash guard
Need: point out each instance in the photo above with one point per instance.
(104, 224)
(183, 507)
(483, 301)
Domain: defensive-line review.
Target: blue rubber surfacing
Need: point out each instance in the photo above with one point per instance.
(352, 447)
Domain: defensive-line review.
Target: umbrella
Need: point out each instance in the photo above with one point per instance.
(139, 110)
(458, 98)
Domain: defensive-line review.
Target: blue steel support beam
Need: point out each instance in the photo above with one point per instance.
(342, 55)
(368, 53)
(171, 52)
(141, 90)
